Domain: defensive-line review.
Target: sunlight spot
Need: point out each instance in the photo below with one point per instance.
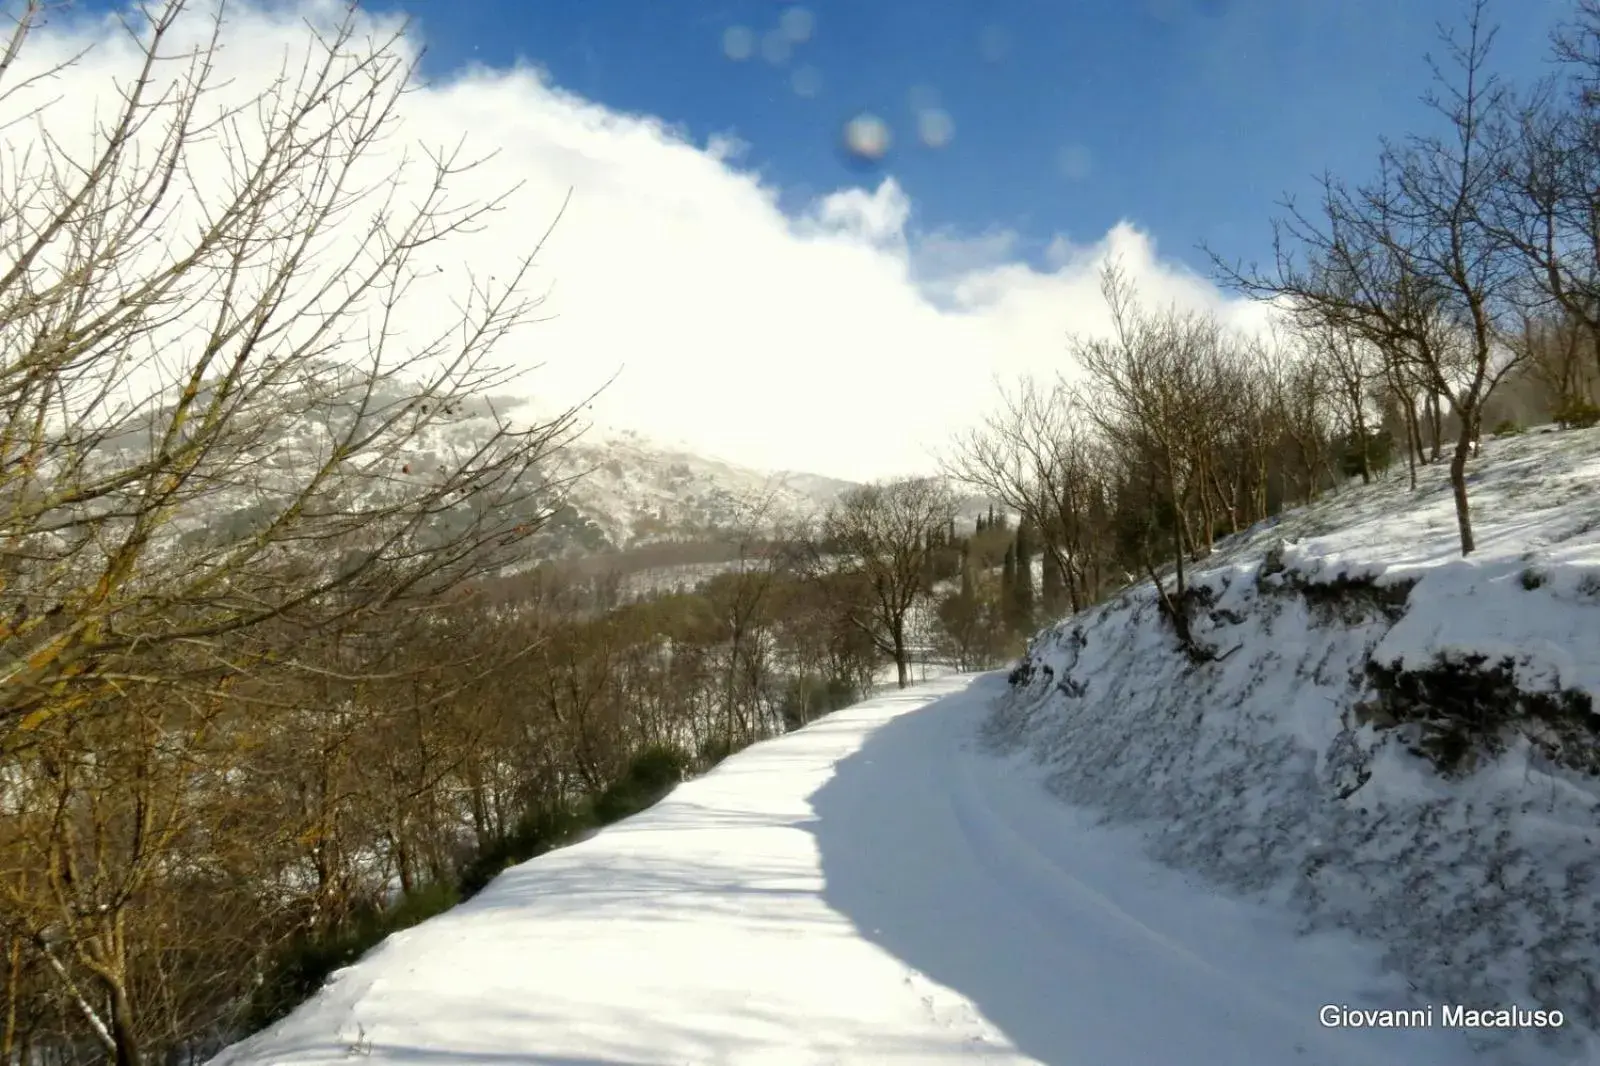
(776, 48)
(797, 24)
(738, 43)
(935, 128)
(807, 81)
(867, 137)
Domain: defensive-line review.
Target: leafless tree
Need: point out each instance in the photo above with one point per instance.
(149, 368)
(1412, 260)
(1036, 455)
(873, 553)
(1546, 205)
(214, 505)
(1154, 385)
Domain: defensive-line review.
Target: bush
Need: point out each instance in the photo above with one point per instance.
(811, 696)
(539, 830)
(1508, 427)
(712, 751)
(1379, 453)
(1576, 414)
(650, 775)
(303, 965)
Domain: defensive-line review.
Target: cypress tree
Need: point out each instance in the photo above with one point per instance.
(1023, 589)
(1055, 586)
(1008, 575)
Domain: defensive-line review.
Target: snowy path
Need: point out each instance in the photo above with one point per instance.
(868, 890)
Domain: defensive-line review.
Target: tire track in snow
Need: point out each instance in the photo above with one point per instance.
(1080, 915)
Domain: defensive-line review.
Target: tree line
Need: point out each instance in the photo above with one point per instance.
(1454, 289)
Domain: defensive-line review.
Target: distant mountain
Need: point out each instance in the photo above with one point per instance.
(611, 490)
(633, 490)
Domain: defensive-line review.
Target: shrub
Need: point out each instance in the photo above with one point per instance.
(713, 750)
(538, 830)
(1379, 453)
(810, 696)
(650, 775)
(1508, 427)
(1576, 414)
(304, 964)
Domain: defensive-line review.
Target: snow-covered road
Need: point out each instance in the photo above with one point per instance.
(872, 889)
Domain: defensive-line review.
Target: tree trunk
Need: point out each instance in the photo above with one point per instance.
(1458, 484)
(902, 655)
(1436, 420)
(1365, 455)
(8, 1038)
(122, 1027)
(1413, 443)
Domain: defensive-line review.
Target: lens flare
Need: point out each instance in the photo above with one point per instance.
(867, 137)
(738, 43)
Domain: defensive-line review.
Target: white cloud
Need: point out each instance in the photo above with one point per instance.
(835, 339)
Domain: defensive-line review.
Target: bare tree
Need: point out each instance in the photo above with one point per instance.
(1353, 367)
(1036, 455)
(1155, 388)
(225, 472)
(1412, 261)
(741, 598)
(1546, 205)
(149, 368)
(874, 554)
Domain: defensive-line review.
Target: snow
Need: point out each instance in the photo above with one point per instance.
(1254, 775)
(875, 888)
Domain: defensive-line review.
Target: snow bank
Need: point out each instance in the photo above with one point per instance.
(1285, 771)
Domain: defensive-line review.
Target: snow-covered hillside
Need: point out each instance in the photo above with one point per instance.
(1395, 740)
(867, 890)
(636, 489)
(609, 489)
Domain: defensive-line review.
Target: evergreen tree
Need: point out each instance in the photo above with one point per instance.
(1054, 593)
(1008, 576)
(1022, 590)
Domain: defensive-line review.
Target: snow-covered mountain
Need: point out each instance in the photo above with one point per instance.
(608, 489)
(632, 489)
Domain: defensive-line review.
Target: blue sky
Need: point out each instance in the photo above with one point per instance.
(1193, 115)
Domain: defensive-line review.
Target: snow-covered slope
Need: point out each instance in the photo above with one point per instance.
(870, 890)
(609, 489)
(636, 489)
(1395, 740)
